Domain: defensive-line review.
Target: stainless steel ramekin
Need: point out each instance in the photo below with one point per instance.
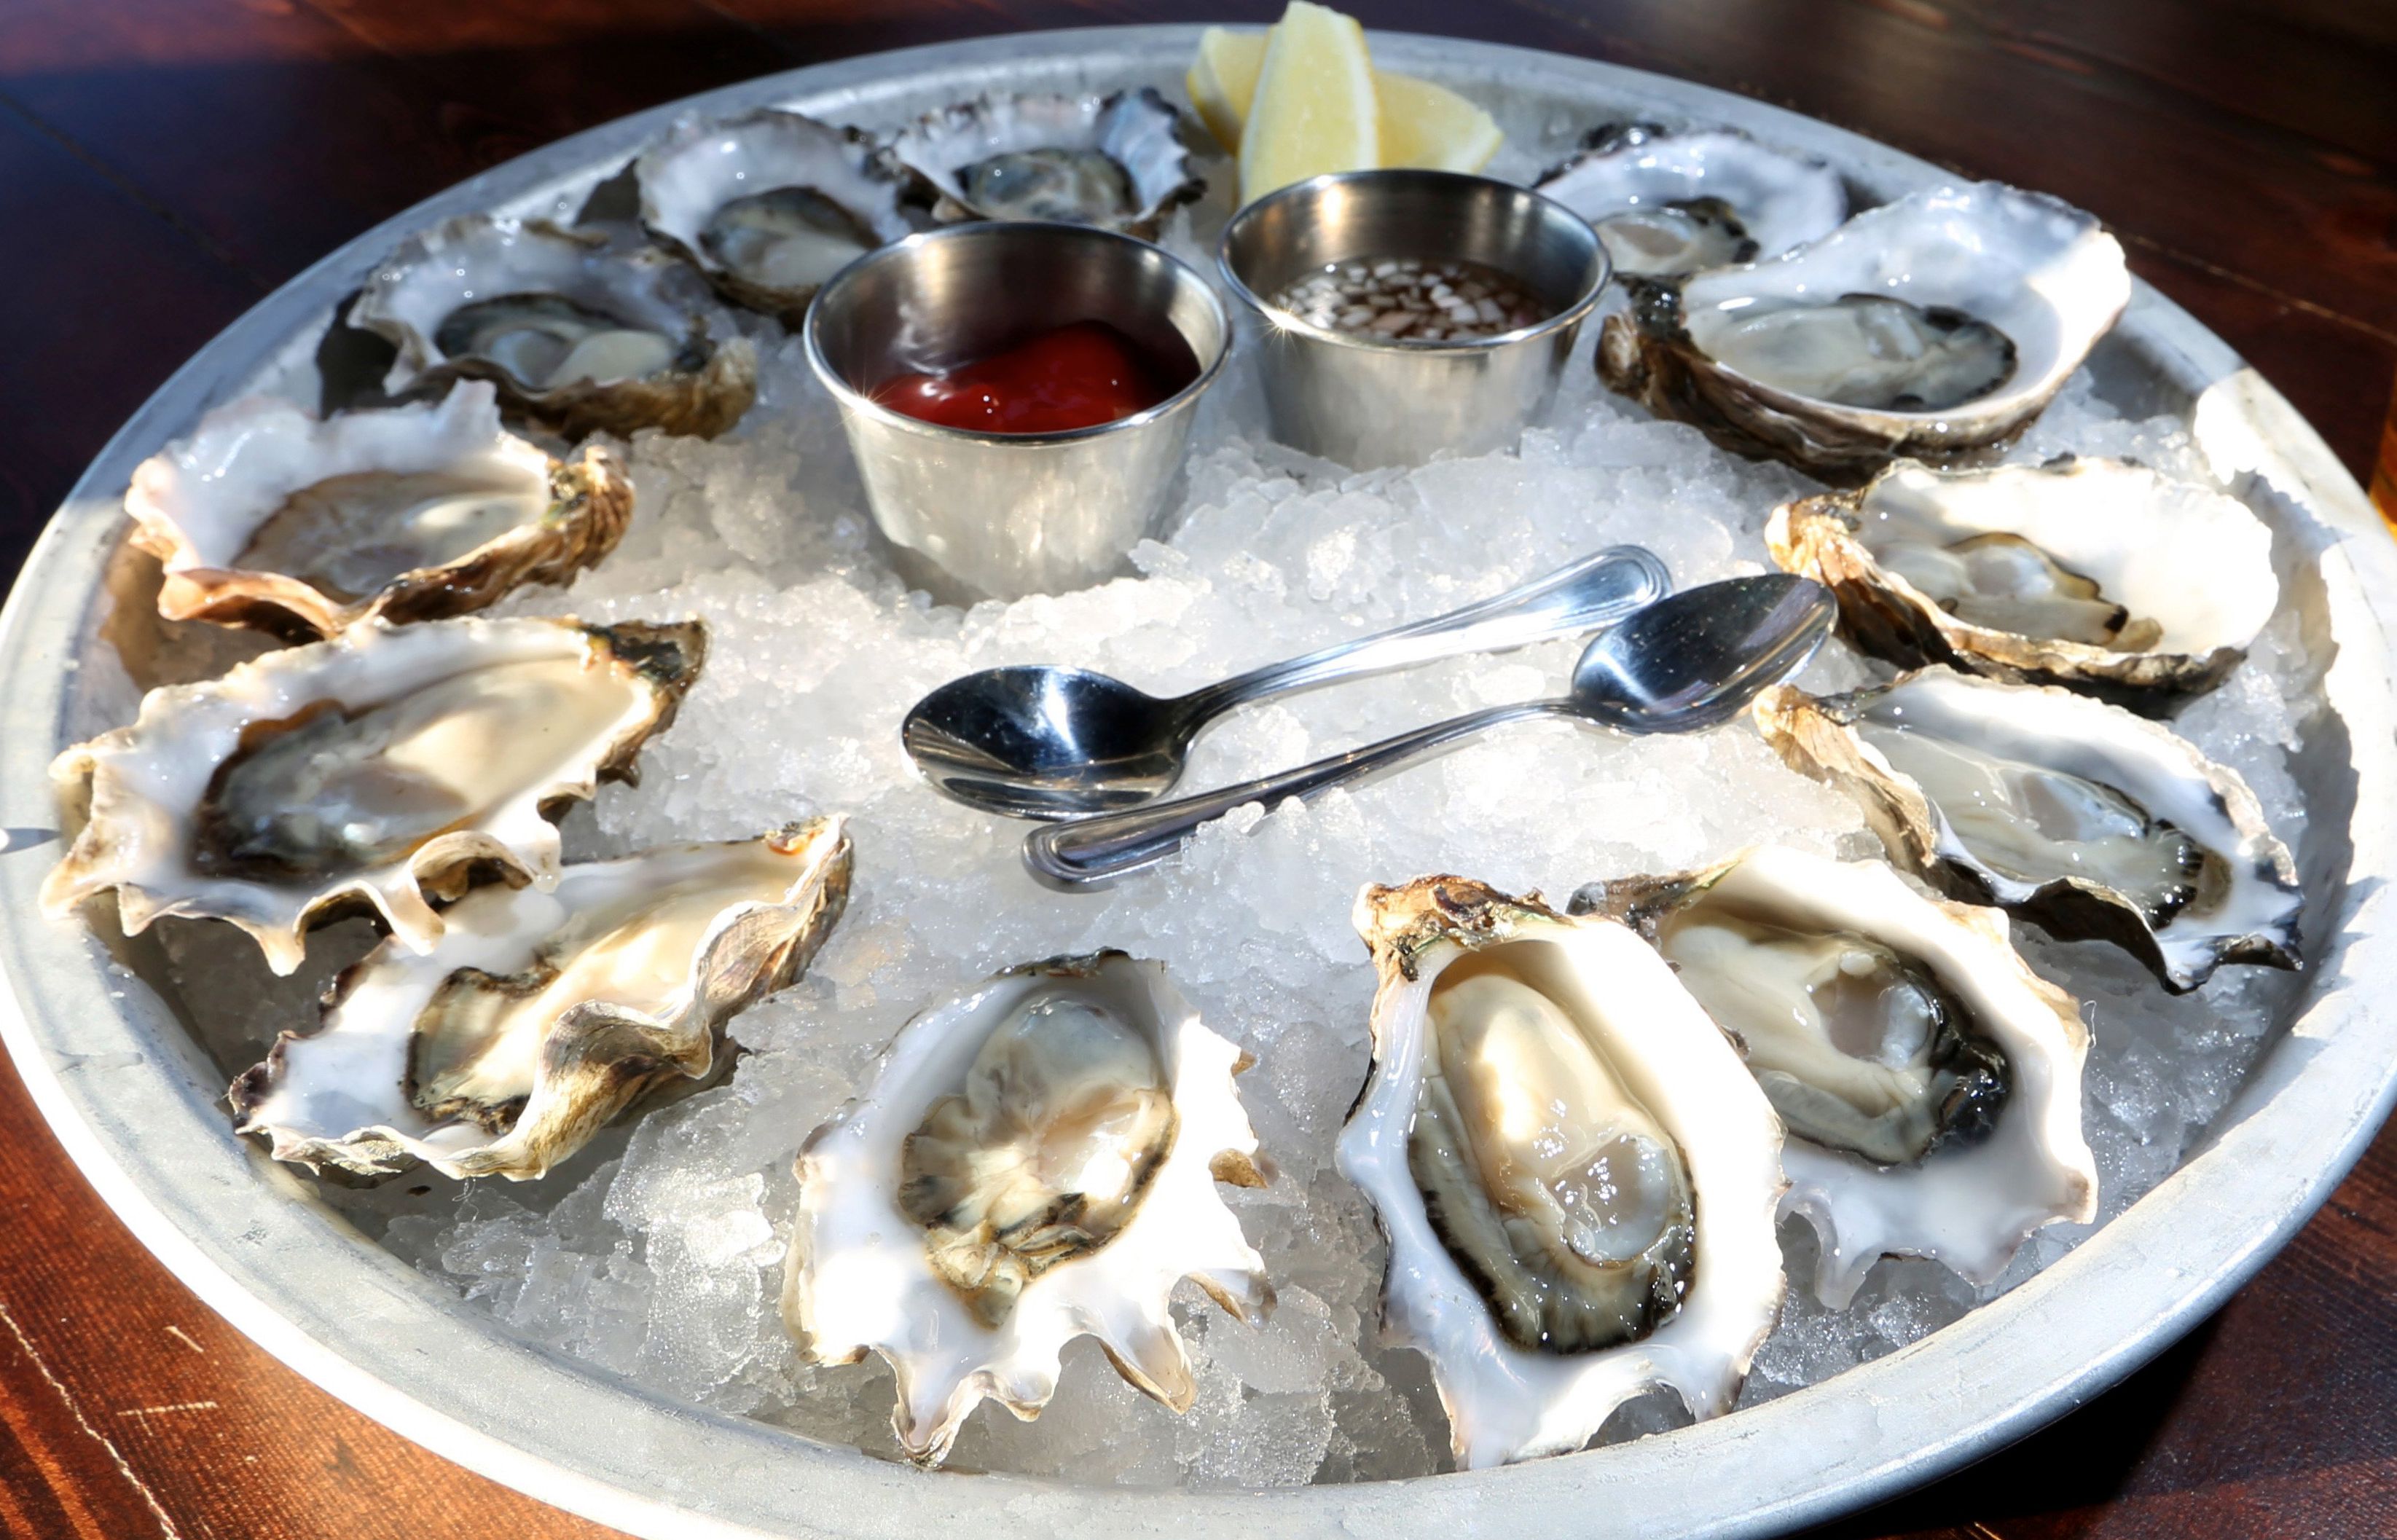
(1006, 515)
(1365, 402)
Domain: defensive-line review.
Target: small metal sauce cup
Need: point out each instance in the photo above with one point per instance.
(1364, 401)
(1002, 516)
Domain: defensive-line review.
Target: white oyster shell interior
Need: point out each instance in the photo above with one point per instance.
(2007, 772)
(399, 755)
(1781, 201)
(1508, 1402)
(2044, 273)
(861, 1274)
(216, 489)
(1966, 1204)
(1047, 158)
(540, 1014)
(635, 311)
(322, 517)
(689, 178)
(2193, 560)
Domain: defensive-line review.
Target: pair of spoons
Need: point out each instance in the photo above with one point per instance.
(1050, 743)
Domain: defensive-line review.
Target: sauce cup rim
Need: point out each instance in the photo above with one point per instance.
(1283, 320)
(852, 399)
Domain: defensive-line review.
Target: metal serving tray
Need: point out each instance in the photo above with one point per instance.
(137, 1104)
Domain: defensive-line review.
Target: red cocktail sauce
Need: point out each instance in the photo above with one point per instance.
(1077, 376)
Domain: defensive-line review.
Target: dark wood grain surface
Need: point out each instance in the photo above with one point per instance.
(166, 163)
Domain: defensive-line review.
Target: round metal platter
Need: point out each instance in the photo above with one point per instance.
(96, 1034)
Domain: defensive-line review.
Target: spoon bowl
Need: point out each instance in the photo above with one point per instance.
(1036, 742)
(1696, 658)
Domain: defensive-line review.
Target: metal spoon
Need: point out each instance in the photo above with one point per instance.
(1043, 742)
(1687, 661)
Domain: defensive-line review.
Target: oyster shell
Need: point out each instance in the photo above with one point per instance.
(269, 518)
(575, 329)
(1035, 1161)
(374, 770)
(540, 1015)
(1931, 326)
(1115, 161)
(769, 204)
(1670, 204)
(1929, 1080)
(1576, 1175)
(2091, 823)
(2097, 574)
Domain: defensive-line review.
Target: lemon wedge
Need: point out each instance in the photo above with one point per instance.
(1315, 109)
(1418, 122)
(1223, 81)
(1431, 126)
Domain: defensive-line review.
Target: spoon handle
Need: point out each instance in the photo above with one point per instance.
(1596, 591)
(1087, 852)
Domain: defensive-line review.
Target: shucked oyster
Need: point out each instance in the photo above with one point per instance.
(1669, 203)
(540, 1015)
(1576, 1175)
(1115, 161)
(575, 330)
(1930, 1081)
(268, 517)
(2097, 574)
(1035, 1161)
(371, 770)
(768, 205)
(1929, 327)
(2081, 818)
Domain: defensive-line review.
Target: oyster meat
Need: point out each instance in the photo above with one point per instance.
(1931, 326)
(2089, 821)
(1860, 349)
(1670, 204)
(1035, 1161)
(2097, 574)
(269, 518)
(540, 1015)
(769, 204)
(375, 770)
(1115, 161)
(1930, 1081)
(576, 329)
(1576, 1176)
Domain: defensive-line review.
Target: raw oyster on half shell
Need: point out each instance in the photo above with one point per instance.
(1035, 1161)
(374, 770)
(272, 518)
(1931, 326)
(769, 204)
(2091, 823)
(1929, 1080)
(2097, 574)
(1115, 161)
(1670, 204)
(540, 1014)
(1576, 1175)
(576, 329)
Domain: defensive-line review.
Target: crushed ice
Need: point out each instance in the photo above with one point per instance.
(656, 1256)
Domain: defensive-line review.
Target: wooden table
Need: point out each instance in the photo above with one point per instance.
(164, 163)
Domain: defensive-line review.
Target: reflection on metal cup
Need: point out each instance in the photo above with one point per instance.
(1005, 515)
(2383, 469)
(1366, 402)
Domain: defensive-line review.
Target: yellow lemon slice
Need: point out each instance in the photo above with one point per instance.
(1223, 81)
(1315, 109)
(1418, 123)
(1431, 126)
